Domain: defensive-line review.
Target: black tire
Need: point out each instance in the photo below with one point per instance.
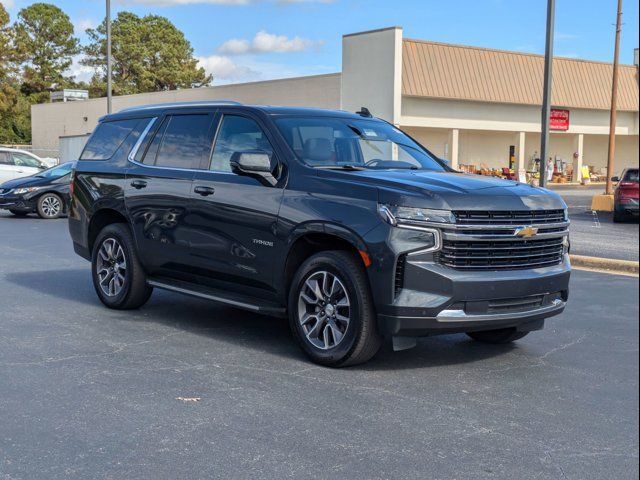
(501, 336)
(134, 291)
(50, 206)
(619, 217)
(360, 339)
(19, 213)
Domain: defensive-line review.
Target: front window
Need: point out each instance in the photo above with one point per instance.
(327, 142)
(237, 134)
(24, 160)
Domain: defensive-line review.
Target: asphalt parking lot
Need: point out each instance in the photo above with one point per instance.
(593, 233)
(86, 392)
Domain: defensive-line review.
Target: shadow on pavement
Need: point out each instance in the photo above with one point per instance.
(245, 329)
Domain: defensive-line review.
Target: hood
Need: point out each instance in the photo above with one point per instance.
(451, 191)
(30, 181)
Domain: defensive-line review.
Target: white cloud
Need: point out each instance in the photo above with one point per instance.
(8, 3)
(225, 70)
(265, 42)
(81, 73)
(82, 24)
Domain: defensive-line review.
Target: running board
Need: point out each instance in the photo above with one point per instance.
(252, 304)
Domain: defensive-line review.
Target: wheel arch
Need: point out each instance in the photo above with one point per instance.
(312, 238)
(99, 220)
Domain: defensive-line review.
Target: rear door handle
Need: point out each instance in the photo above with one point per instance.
(204, 191)
(138, 184)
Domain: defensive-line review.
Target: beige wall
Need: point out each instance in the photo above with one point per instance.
(439, 113)
(372, 72)
(596, 148)
(436, 140)
(53, 120)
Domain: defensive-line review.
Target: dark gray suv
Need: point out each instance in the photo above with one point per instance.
(339, 221)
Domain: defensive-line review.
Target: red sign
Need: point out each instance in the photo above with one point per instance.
(559, 119)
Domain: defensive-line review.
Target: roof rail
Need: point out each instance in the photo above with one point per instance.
(205, 103)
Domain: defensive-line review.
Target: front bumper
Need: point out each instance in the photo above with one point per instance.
(16, 202)
(436, 299)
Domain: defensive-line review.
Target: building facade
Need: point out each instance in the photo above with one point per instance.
(472, 106)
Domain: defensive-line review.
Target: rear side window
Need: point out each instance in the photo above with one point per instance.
(182, 141)
(107, 138)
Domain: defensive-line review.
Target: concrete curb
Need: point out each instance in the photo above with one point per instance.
(611, 264)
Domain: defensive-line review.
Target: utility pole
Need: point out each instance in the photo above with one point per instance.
(109, 88)
(614, 104)
(546, 92)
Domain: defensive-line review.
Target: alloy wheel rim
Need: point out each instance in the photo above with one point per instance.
(324, 310)
(111, 267)
(51, 206)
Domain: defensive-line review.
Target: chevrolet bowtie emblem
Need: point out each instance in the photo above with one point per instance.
(526, 232)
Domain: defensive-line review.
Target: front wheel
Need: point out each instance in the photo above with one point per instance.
(501, 336)
(118, 277)
(50, 206)
(331, 312)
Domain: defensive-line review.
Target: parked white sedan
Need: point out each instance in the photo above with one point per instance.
(18, 163)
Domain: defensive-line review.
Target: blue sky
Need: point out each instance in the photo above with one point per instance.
(245, 40)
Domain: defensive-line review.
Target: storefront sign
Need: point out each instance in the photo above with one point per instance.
(559, 119)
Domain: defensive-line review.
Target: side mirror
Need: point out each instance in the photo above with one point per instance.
(615, 179)
(253, 163)
(42, 166)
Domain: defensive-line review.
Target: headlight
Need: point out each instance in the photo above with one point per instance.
(22, 191)
(396, 215)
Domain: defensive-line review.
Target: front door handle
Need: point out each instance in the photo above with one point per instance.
(204, 191)
(138, 184)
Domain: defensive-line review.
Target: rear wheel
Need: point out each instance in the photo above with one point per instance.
(331, 311)
(50, 206)
(503, 335)
(118, 277)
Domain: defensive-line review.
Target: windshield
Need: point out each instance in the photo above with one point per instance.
(326, 142)
(56, 172)
(631, 176)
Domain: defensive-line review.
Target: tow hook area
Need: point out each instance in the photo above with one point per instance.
(403, 343)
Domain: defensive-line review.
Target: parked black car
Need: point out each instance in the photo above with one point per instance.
(338, 220)
(45, 193)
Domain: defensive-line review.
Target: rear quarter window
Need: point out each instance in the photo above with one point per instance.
(107, 138)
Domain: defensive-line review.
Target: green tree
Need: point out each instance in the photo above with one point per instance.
(149, 54)
(45, 34)
(14, 121)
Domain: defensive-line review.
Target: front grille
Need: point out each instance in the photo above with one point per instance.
(515, 304)
(466, 217)
(517, 254)
(489, 241)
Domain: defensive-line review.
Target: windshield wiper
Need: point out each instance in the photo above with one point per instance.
(348, 167)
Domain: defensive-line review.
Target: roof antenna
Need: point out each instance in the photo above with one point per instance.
(364, 112)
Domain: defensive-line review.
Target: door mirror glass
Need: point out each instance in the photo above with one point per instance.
(615, 179)
(253, 163)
